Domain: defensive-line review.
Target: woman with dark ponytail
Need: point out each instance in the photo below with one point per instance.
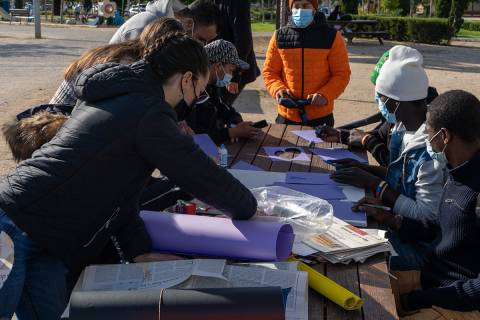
(61, 206)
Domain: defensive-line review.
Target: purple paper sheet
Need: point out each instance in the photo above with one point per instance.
(242, 165)
(219, 237)
(336, 154)
(309, 178)
(343, 210)
(308, 135)
(326, 192)
(271, 151)
(206, 144)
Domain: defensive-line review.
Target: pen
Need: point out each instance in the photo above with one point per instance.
(375, 206)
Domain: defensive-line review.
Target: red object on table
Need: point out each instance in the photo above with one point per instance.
(190, 208)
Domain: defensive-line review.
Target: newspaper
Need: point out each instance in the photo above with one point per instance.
(6, 257)
(343, 237)
(344, 243)
(203, 273)
(149, 275)
(264, 275)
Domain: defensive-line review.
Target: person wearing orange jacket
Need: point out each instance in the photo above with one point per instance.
(307, 60)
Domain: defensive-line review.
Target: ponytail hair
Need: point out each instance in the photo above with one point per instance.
(176, 53)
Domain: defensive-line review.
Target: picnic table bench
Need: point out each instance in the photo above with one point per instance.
(345, 26)
(20, 14)
(369, 280)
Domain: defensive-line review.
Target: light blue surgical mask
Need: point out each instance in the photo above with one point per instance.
(382, 106)
(302, 18)
(438, 156)
(222, 83)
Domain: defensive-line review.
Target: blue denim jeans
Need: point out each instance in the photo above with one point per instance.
(35, 288)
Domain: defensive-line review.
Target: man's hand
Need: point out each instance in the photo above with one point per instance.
(243, 130)
(381, 216)
(346, 163)
(317, 99)
(154, 256)
(329, 134)
(355, 138)
(185, 128)
(282, 93)
(357, 177)
(232, 87)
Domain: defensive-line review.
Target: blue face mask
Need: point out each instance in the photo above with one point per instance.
(438, 156)
(382, 106)
(302, 18)
(222, 83)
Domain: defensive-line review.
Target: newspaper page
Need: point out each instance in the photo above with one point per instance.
(264, 276)
(343, 237)
(6, 257)
(136, 276)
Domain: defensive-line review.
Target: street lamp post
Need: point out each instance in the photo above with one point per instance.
(36, 13)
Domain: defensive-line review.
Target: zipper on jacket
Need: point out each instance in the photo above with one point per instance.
(303, 62)
(452, 201)
(105, 226)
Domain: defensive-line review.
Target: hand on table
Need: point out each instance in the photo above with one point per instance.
(346, 163)
(243, 130)
(328, 134)
(317, 99)
(232, 87)
(355, 138)
(383, 217)
(356, 177)
(155, 256)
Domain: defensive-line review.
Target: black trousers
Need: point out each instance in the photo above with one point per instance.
(327, 120)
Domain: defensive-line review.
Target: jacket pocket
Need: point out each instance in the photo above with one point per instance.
(105, 226)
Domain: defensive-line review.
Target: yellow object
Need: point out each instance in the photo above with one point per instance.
(329, 288)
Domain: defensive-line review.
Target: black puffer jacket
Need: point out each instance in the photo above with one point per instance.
(84, 185)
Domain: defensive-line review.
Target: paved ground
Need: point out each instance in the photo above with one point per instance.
(30, 71)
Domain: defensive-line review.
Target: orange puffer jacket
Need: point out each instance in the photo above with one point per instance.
(307, 61)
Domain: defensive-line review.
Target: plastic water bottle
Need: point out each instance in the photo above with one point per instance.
(223, 156)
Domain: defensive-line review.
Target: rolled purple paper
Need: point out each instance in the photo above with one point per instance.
(219, 237)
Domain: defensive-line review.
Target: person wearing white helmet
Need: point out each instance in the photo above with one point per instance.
(412, 183)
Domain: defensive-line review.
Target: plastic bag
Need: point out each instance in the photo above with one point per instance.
(307, 214)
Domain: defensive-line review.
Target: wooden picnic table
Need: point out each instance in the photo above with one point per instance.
(346, 25)
(369, 280)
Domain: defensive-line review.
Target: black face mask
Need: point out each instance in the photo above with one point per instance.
(194, 92)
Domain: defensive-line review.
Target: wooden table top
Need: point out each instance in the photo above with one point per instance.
(369, 280)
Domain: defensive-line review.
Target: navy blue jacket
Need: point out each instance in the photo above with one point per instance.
(451, 277)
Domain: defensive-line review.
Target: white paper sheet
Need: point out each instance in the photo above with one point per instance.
(353, 194)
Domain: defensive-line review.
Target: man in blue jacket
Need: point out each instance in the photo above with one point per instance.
(450, 267)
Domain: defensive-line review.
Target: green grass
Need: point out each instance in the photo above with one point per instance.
(263, 27)
(468, 34)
